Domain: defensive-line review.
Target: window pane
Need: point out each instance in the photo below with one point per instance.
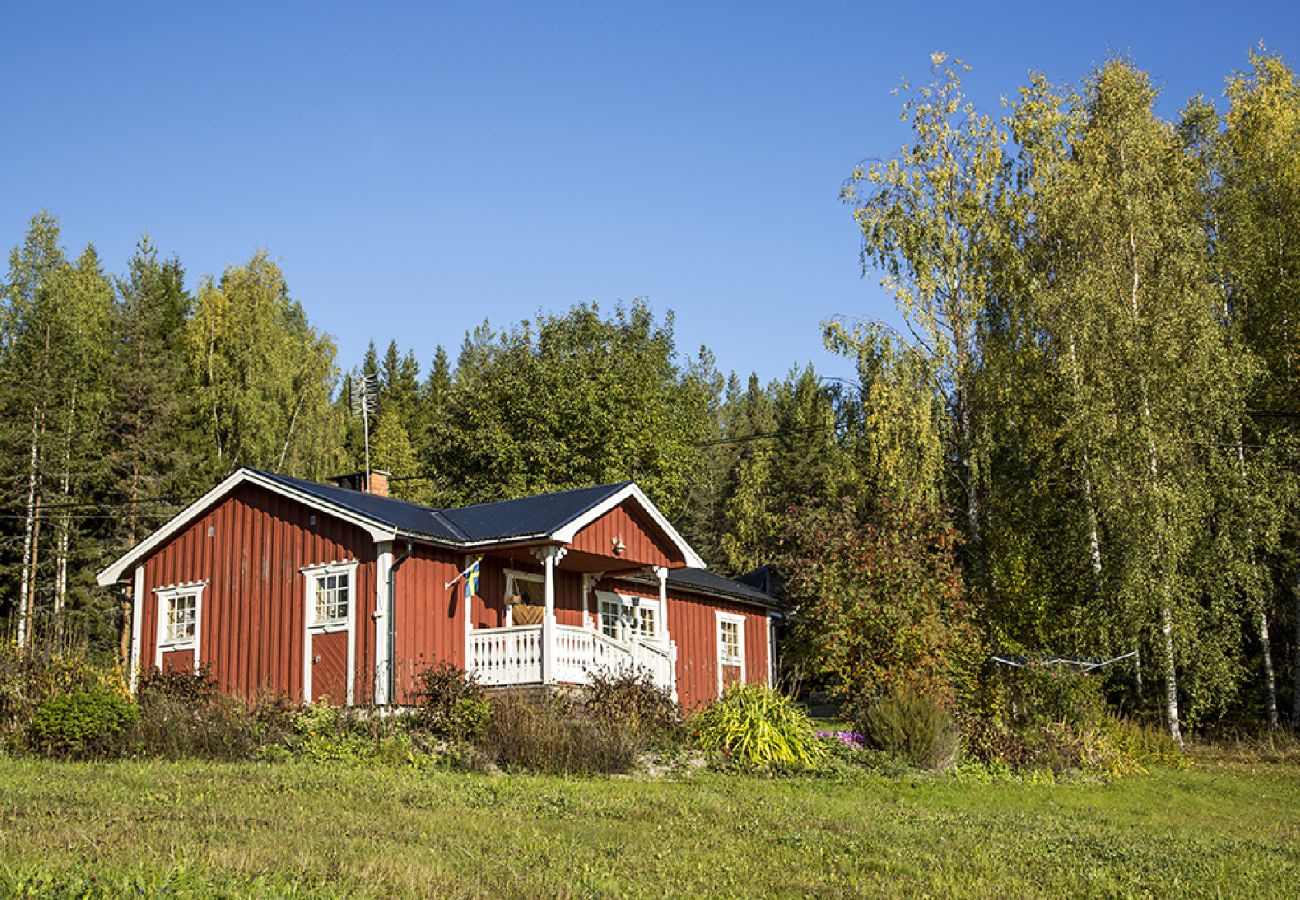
(331, 598)
(180, 617)
(648, 627)
(609, 615)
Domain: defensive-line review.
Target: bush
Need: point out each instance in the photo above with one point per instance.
(184, 714)
(29, 677)
(912, 727)
(629, 698)
(84, 723)
(758, 727)
(453, 704)
(547, 736)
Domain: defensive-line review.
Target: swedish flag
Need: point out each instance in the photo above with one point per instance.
(471, 577)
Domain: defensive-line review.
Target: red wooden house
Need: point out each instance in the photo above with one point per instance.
(321, 592)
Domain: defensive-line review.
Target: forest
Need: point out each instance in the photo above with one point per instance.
(1082, 442)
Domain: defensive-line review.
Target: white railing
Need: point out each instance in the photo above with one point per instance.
(506, 655)
(514, 656)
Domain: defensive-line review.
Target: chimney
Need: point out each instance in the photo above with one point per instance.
(378, 483)
(356, 481)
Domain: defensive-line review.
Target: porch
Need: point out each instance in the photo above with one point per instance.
(605, 633)
(518, 655)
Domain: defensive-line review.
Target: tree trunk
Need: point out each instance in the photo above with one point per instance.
(1295, 665)
(1171, 674)
(1269, 682)
(65, 524)
(29, 533)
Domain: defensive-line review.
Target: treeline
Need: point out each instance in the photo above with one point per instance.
(1083, 444)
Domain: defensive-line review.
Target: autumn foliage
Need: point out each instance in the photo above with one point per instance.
(880, 601)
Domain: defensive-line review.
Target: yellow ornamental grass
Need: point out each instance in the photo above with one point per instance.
(759, 727)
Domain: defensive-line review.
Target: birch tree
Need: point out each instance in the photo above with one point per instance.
(1136, 305)
(928, 220)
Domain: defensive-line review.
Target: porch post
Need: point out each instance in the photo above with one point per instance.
(549, 557)
(661, 572)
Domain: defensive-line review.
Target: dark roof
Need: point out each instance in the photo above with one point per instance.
(703, 581)
(526, 517)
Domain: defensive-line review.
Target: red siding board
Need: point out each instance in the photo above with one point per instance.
(255, 596)
(644, 542)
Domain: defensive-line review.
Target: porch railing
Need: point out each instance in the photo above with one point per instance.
(515, 655)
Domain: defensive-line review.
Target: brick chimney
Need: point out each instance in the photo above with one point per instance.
(356, 481)
(378, 483)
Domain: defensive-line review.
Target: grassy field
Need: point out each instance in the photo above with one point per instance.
(198, 829)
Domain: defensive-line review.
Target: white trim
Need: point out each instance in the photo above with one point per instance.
(167, 595)
(383, 566)
(311, 628)
(567, 533)
(113, 573)
(771, 649)
(739, 621)
(137, 626)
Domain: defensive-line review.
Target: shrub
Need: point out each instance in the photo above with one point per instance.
(84, 723)
(547, 736)
(913, 727)
(184, 714)
(29, 677)
(629, 698)
(453, 704)
(758, 727)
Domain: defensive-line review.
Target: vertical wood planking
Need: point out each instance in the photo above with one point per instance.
(254, 603)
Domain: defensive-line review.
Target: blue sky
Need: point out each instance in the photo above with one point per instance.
(417, 168)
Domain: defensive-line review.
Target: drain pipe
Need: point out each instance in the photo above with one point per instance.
(392, 622)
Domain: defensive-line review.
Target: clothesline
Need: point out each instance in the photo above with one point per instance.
(1083, 665)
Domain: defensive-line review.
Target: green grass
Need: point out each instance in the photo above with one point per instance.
(198, 829)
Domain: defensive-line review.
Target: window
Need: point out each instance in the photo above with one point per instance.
(611, 616)
(731, 639)
(525, 598)
(628, 618)
(180, 621)
(331, 599)
(180, 624)
(647, 621)
(330, 595)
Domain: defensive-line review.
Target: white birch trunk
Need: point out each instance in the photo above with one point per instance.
(29, 536)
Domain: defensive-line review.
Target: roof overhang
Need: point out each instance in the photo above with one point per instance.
(378, 531)
(568, 532)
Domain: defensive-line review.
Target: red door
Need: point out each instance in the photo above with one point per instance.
(329, 668)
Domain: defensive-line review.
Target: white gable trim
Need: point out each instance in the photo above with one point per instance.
(377, 530)
(632, 492)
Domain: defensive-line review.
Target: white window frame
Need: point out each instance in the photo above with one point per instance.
(739, 660)
(512, 576)
(629, 617)
(166, 596)
(311, 627)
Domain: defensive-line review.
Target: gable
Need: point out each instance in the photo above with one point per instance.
(644, 542)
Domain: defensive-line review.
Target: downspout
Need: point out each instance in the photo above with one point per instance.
(391, 613)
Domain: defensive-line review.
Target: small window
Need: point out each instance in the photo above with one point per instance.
(332, 591)
(611, 613)
(647, 622)
(329, 595)
(182, 612)
(729, 646)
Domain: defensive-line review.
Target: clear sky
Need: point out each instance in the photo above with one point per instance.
(418, 167)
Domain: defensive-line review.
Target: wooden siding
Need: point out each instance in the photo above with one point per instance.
(249, 550)
(178, 661)
(430, 623)
(644, 542)
(693, 626)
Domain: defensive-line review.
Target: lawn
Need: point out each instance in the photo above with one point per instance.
(324, 829)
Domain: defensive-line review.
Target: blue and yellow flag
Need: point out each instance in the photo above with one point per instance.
(471, 577)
